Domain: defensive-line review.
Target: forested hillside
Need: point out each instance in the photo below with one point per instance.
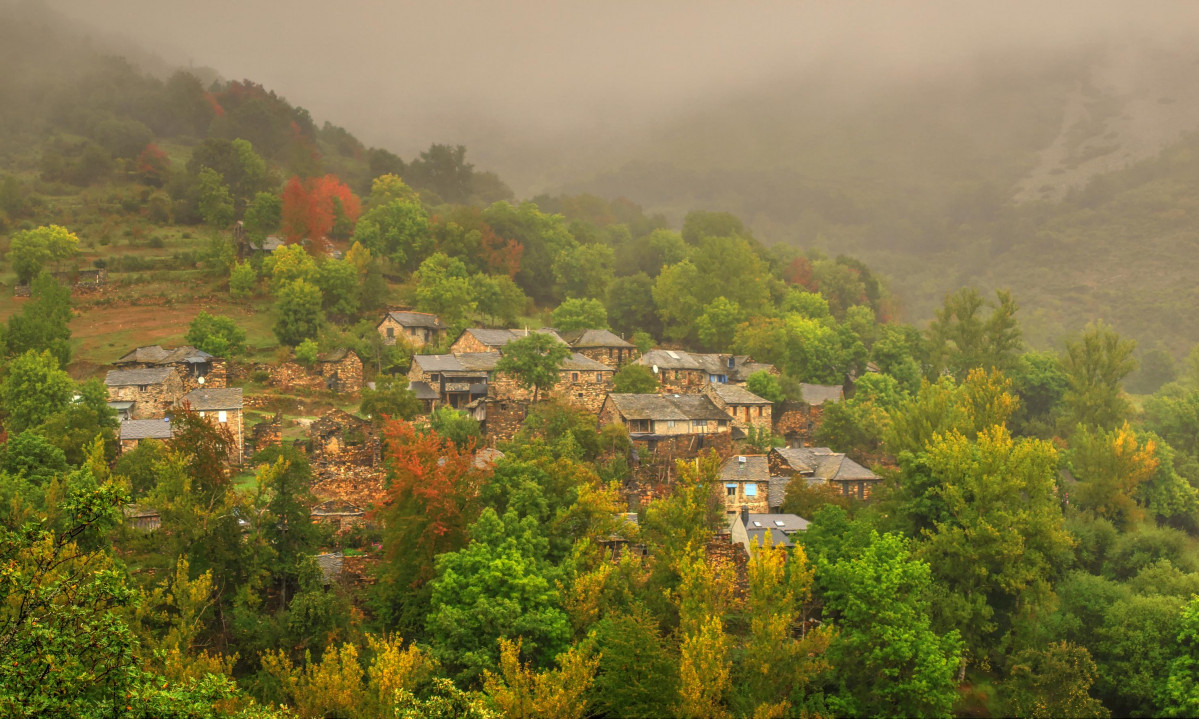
(355, 482)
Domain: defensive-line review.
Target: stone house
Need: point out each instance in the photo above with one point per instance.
(601, 346)
(341, 370)
(798, 421)
(744, 407)
(582, 381)
(458, 379)
(478, 339)
(821, 465)
(688, 372)
(196, 368)
(223, 408)
(152, 390)
(143, 519)
(749, 529)
(675, 426)
(427, 395)
(746, 481)
(416, 328)
(131, 432)
(341, 438)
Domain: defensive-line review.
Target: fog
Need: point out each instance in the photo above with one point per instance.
(549, 83)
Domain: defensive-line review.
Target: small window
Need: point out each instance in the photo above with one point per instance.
(670, 424)
(201, 414)
(757, 524)
(730, 490)
(732, 362)
(722, 423)
(579, 395)
(574, 376)
(751, 490)
(699, 425)
(599, 376)
(222, 416)
(759, 410)
(676, 374)
(391, 333)
(778, 523)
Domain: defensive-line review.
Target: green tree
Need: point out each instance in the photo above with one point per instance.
(390, 398)
(217, 335)
(264, 216)
(542, 236)
(1110, 468)
(534, 361)
(43, 321)
(30, 251)
(584, 270)
(444, 170)
(307, 352)
(888, 659)
(76, 427)
(243, 281)
(456, 427)
(1052, 682)
(298, 312)
(30, 455)
(638, 673)
(338, 281)
(580, 314)
(140, 466)
(215, 202)
(397, 229)
(285, 491)
(499, 586)
(630, 304)
(33, 390)
(635, 379)
(961, 338)
(860, 424)
(718, 324)
(1180, 695)
(499, 297)
(443, 287)
(1095, 364)
(765, 385)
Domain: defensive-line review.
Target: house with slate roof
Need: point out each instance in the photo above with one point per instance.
(675, 426)
(821, 465)
(746, 481)
(798, 420)
(416, 328)
(602, 346)
(750, 529)
(688, 372)
(131, 432)
(223, 408)
(341, 369)
(744, 407)
(196, 368)
(152, 390)
(478, 339)
(462, 378)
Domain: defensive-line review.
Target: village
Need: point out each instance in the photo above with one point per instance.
(703, 407)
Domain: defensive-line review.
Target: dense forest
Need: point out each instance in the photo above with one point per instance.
(1032, 549)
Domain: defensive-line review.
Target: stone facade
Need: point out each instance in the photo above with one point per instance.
(686, 372)
(745, 480)
(339, 437)
(417, 329)
(477, 339)
(341, 371)
(267, 433)
(196, 368)
(221, 407)
(585, 388)
(152, 390)
(743, 407)
(501, 419)
(798, 422)
(339, 514)
(602, 346)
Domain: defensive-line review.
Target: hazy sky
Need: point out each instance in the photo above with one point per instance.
(404, 74)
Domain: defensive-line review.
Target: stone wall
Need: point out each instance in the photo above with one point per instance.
(343, 376)
(758, 504)
(232, 424)
(267, 433)
(292, 376)
(152, 402)
(341, 438)
(798, 422)
(504, 418)
(580, 388)
(414, 336)
(614, 357)
(466, 342)
(682, 381)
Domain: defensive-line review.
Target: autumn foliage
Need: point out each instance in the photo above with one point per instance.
(153, 164)
(431, 495)
(501, 255)
(310, 207)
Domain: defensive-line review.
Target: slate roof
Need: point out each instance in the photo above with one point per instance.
(777, 491)
(336, 355)
(577, 361)
(757, 536)
(156, 354)
(416, 319)
(143, 376)
(824, 464)
(422, 390)
(754, 469)
(145, 429)
(785, 522)
(584, 339)
(818, 394)
(330, 564)
(717, 364)
(666, 407)
(458, 362)
(213, 398)
(734, 394)
(272, 243)
(499, 338)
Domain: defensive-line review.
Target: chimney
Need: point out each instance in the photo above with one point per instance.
(745, 516)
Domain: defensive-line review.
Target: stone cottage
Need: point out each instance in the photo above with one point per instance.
(674, 426)
(744, 407)
(152, 390)
(223, 408)
(601, 346)
(341, 370)
(458, 379)
(582, 382)
(478, 339)
(821, 465)
(799, 420)
(415, 328)
(131, 432)
(746, 481)
(196, 368)
(688, 372)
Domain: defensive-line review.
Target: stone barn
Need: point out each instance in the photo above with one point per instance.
(415, 328)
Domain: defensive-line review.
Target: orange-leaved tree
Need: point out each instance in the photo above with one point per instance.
(312, 207)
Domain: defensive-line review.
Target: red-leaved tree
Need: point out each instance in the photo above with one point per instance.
(154, 165)
(431, 501)
(311, 206)
(500, 254)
